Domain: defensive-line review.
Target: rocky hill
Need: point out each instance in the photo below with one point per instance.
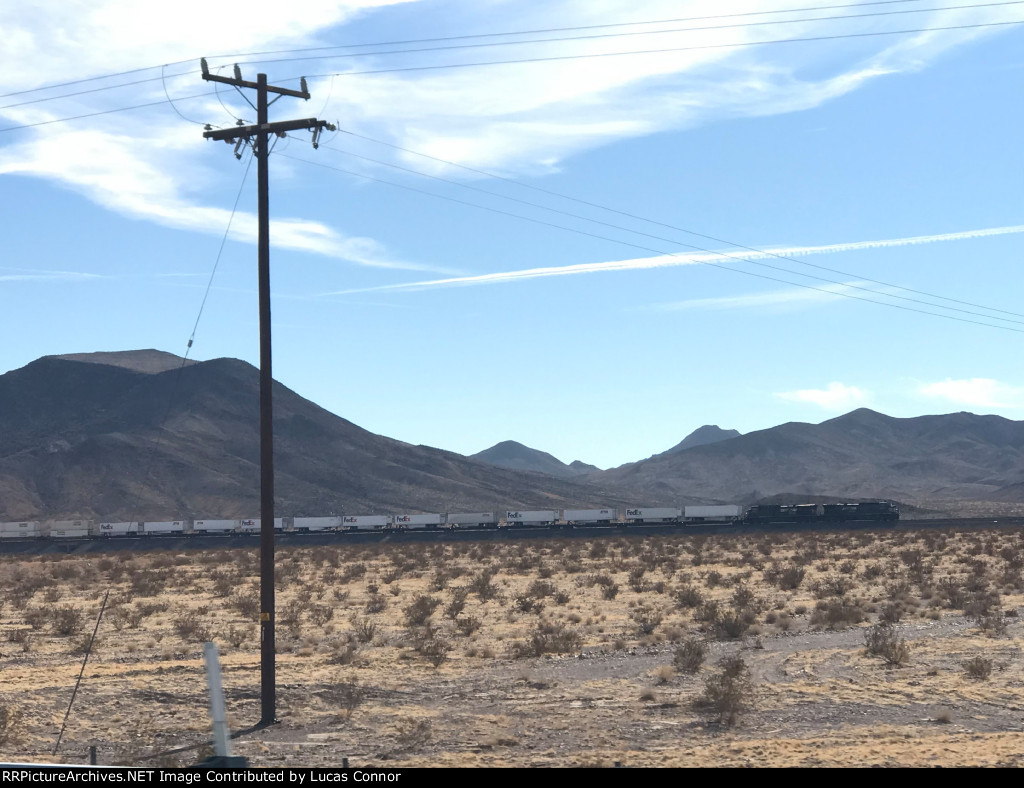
(510, 454)
(136, 436)
(863, 454)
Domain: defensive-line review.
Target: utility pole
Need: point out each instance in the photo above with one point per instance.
(259, 135)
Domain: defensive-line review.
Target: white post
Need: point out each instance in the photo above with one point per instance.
(218, 712)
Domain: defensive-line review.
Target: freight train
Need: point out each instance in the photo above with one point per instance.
(762, 514)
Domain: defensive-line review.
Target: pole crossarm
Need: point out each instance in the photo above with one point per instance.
(246, 132)
(238, 82)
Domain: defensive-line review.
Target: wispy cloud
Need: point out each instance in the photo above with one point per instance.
(977, 392)
(791, 298)
(517, 118)
(29, 275)
(683, 258)
(835, 397)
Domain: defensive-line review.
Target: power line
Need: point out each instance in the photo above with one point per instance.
(713, 264)
(596, 36)
(55, 85)
(674, 241)
(102, 112)
(650, 221)
(556, 58)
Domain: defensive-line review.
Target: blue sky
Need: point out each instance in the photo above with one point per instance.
(888, 158)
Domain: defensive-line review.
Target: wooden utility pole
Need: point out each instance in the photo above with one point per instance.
(259, 136)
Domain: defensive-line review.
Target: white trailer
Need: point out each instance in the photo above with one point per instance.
(365, 522)
(312, 524)
(414, 521)
(214, 526)
(254, 526)
(712, 514)
(31, 529)
(653, 515)
(471, 519)
(70, 529)
(162, 527)
(590, 515)
(545, 517)
(119, 529)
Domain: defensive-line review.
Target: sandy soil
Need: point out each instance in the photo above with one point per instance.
(357, 674)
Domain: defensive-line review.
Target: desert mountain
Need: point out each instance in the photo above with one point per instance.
(135, 435)
(704, 436)
(863, 454)
(510, 454)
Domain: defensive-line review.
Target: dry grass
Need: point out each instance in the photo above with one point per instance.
(409, 653)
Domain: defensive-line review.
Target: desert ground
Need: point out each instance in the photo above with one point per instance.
(891, 647)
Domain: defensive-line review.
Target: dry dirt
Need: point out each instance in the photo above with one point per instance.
(357, 674)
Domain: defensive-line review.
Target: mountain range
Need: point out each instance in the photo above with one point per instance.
(140, 434)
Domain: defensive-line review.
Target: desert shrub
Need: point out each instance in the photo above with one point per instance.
(981, 604)
(246, 605)
(548, 638)
(467, 626)
(433, 647)
(664, 673)
(10, 722)
(636, 578)
(349, 696)
(689, 655)
(832, 586)
(713, 578)
(993, 624)
(539, 589)
(66, 620)
(646, 618)
(413, 734)
(730, 625)
(883, 640)
(483, 586)
(833, 613)
(343, 652)
(419, 611)
(891, 613)
(236, 636)
(364, 628)
(525, 603)
(457, 604)
(730, 691)
(319, 615)
(375, 603)
(35, 617)
(978, 667)
(352, 572)
(189, 627)
(743, 598)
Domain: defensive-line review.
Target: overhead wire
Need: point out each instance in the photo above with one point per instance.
(556, 58)
(650, 221)
(53, 86)
(717, 266)
(591, 37)
(511, 43)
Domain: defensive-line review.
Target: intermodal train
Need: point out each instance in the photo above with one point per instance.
(762, 514)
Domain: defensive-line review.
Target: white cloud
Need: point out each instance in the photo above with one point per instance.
(514, 118)
(683, 258)
(836, 397)
(977, 392)
(776, 299)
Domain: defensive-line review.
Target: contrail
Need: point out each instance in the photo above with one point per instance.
(682, 258)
